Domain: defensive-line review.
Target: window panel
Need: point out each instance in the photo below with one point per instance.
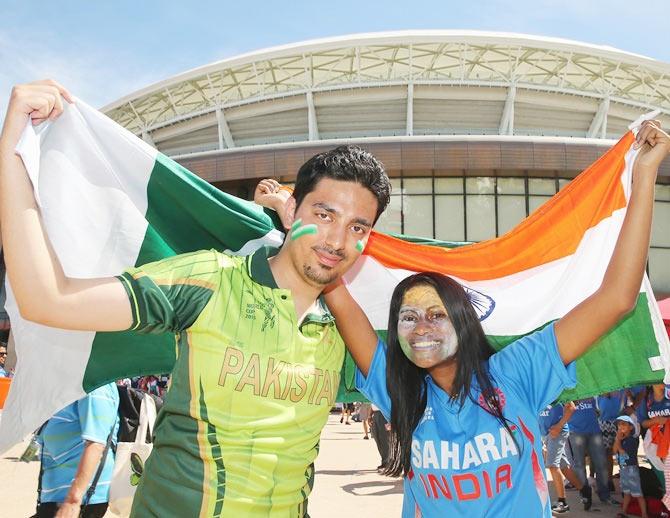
(479, 185)
(418, 214)
(390, 219)
(663, 192)
(448, 185)
(511, 186)
(481, 218)
(659, 269)
(660, 230)
(511, 211)
(562, 182)
(449, 218)
(417, 186)
(541, 186)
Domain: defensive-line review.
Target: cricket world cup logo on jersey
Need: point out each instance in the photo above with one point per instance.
(267, 308)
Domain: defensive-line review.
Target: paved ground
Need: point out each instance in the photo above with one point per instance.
(346, 485)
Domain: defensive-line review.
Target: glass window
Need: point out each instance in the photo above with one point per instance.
(660, 230)
(448, 185)
(479, 185)
(481, 217)
(390, 219)
(536, 201)
(659, 269)
(418, 214)
(541, 186)
(449, 218)
(511, 211)
(511, 186)
(395, 185)
(417, 186)
(663, 192)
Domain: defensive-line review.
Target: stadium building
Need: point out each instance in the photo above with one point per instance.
(476, 129)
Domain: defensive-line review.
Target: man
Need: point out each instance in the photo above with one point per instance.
(3, 359)
(585, 436)
(73, 442)
(258, 352)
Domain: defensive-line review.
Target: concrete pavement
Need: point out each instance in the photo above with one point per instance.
(346, 485)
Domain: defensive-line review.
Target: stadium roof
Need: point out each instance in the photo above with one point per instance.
(399, 84)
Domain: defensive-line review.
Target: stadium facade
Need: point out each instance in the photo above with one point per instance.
(476, 129)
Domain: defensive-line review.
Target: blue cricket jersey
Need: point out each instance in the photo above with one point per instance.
(464, 462)
(551, 415)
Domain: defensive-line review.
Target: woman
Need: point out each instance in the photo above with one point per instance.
(656, 416)
(464, 419)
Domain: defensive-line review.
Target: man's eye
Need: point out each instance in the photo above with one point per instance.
(323, 216)
(359, 229)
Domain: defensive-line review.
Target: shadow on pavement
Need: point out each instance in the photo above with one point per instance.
(386, 487)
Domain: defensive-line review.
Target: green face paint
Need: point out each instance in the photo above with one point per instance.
(303, 231)
(360, 246)
(296, 225)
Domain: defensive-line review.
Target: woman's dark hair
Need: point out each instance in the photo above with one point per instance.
(406, 383)
(348, 164)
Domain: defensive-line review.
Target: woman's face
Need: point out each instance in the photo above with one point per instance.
(425, 332)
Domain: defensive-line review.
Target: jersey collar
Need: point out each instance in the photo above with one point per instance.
(259, 270)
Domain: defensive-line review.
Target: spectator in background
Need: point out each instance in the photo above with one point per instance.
(610, 405)
(364, 413)
(585, 436)
(656, 420)
(555, 431)
(380, 433)
(625, 447)
(347, 410)
(3, 358)
(73, 443)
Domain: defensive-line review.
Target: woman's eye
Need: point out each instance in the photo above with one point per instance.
(438, 316)
(408, 318)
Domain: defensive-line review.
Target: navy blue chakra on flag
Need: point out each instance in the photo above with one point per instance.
(483, 304)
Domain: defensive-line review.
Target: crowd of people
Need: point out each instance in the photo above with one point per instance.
(233, 439)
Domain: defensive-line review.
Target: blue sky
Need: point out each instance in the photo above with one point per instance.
(106, 49)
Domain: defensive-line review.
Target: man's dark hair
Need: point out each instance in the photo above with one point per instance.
(347, 164)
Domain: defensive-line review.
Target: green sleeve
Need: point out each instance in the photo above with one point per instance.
(169, 295)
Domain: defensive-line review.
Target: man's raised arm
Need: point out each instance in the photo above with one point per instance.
(43, 293)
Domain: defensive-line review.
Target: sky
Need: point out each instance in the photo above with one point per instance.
(107, 49)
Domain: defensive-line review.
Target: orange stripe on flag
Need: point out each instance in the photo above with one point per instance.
(552, 232)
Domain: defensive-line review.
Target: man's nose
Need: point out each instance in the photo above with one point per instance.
(336, 236)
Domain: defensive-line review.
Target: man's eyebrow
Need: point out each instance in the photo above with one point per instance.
(359, 221)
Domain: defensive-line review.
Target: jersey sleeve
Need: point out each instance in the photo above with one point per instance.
(98, 413)
(533, 368)
(168, 295)
(373, 386)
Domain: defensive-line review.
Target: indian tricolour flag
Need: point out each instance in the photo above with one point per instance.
(110, 201)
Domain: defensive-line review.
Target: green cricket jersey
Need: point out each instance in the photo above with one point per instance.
(250, 392)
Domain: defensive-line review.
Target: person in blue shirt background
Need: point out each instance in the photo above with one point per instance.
(585, 436)
(655, 419)
(625, 446)
(610, 405)
(555, 431)
(464, 418)
(73, 441)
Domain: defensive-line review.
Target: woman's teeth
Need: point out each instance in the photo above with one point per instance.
(426, 344)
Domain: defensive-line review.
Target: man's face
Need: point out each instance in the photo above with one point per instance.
(425, 332)
(3, 356)
(343, 213)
